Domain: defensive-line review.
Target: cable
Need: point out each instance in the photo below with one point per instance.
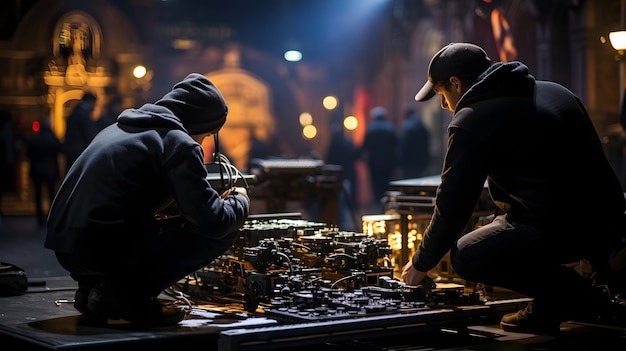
(288, 260)
(301, 246)
(225, 167)
(354, 276)
(341, 255)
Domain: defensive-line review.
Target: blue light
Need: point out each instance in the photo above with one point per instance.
(293, 55)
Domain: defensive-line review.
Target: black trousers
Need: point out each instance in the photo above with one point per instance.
(521, 258)
(39, 183)
(148, 267)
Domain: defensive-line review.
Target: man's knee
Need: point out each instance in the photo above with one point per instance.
(466, 267)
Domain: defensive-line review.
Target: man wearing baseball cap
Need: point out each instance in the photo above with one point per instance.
(102, 224)
(534, 144)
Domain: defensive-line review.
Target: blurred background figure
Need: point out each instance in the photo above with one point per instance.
(342, 152)
(43, 149)
(111, 110)
(80, 129)
(7, 151)
(414, 145)
(258, 149)
(379, 151)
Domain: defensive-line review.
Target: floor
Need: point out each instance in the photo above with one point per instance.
(43, 318)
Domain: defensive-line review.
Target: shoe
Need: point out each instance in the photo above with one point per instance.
(145, 311)
(80, 299)
(85, 284)
(530, 322)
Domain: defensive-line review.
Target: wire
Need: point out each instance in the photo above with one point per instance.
(287, 258)
(341, 255)
(226, 168)
(354, 276)
(301, 246)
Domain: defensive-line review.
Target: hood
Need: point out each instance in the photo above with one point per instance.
(511, 79)
(150, 116)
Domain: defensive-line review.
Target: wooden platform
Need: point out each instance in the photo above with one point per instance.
(43, 318)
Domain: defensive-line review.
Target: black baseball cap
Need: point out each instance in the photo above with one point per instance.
(455, 59)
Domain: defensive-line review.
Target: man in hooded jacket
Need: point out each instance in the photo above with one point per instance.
(102, 223)
(559, 200)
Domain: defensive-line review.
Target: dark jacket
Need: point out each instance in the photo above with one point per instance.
(379, 145)
(414, 147)
(80, 129)
(536, 146)
(130, 171)
(43, 150)
(344, 153)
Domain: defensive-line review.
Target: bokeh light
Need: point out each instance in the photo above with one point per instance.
(139, 71)
(330, 102)
(309, 131)
(350, 122)
(305, 119)
(35, 126)
(293, 55)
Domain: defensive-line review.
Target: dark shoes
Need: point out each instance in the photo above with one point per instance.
(80, 299)
(101, 304)
(530, 322)
(85, 284)
(547, 320)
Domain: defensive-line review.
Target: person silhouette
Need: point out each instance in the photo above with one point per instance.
(414, 145)
(105, 226)
(80, 129)
(43, 149)
(342, 152)
(258, 149)
(527, 139)
(112, 109)
(379, 150)
(7, 151)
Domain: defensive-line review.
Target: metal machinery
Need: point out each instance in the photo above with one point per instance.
(298, 270)
(311, 183)
(320, 284)
(409, 204)
(318, 281)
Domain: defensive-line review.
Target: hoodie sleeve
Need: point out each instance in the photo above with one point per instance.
(462, 182)
(203, 208)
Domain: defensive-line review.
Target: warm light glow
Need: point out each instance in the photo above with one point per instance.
(350, 122)
(376, 225)
(330, 102)
(305, 119)
(139, 71)
(309, 131)
(618, 40)
(387, 226)
(184, 44)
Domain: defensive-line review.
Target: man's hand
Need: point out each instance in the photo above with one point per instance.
(410, 275)
(234, 189)
(241, 190)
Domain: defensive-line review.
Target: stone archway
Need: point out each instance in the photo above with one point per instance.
(249, 101)
(73, 69)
